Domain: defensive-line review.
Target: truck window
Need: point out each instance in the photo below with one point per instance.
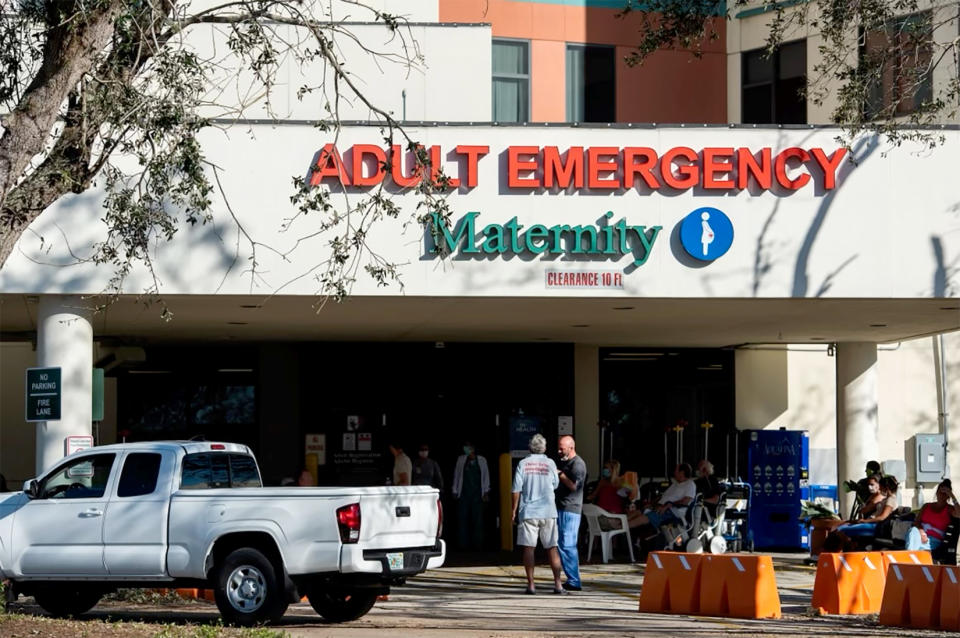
(85, 477)
(205, 471)
(243, 471)
(215, 470)
(139, 475)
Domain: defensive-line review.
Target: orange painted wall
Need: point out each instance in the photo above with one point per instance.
(548, 96)
(671, 86)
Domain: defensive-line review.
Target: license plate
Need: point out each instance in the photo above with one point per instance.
(395, 560)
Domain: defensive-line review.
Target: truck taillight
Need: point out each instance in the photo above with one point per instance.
(439, 518)
(348, 520)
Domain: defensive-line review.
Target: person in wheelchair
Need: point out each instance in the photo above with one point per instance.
(708, 485)
(672, 506)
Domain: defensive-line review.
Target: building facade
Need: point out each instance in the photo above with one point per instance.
(599, 274)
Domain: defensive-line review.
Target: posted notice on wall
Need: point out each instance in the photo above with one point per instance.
(565, 425)
(349, 442)
(364, 441)
(317, 444)
(589, 279)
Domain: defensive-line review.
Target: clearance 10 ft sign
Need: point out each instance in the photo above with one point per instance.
(595, 167)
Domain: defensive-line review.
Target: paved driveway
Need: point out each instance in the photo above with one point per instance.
(489, 601)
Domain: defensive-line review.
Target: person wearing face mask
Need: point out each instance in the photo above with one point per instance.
(471, 488)
(426, 471)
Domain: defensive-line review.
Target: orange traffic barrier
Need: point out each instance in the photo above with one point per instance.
(950, 598)
(671, 583)
(911, 597)
(909, 557)
(849, 583)
(739, 586)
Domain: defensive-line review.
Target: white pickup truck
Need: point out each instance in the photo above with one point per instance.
(195, 514)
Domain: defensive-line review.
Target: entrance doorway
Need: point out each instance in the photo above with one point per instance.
(654, 402)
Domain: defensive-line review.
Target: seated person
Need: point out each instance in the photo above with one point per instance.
(874, 511)
(708, 485)
(607, 493)
(873, 500)
(672, 506)
(932, 521)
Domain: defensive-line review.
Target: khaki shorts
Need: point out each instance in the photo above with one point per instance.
(529, 529)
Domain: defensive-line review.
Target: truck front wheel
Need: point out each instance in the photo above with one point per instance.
(62, 601)
(249, 589)
(342, 606)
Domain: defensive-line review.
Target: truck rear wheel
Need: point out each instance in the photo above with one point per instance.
(249, 589)
(62, 601)
(342, 606)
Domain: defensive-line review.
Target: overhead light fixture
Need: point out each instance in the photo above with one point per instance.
(634, 354)
(236, 323)
(710, 368)
(623, 307)
(949, 307)
(235, 370)
(251, 306)
(150, 371)
(580, 325)
(878, 325)
(630, 359)
(818, 338)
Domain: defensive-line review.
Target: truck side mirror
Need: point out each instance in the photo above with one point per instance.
(31, 488)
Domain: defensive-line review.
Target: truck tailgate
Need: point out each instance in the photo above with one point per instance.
(399, 519)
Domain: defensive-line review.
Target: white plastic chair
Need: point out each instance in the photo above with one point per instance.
(593, 513)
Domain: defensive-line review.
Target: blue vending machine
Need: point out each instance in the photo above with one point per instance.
(779, 473)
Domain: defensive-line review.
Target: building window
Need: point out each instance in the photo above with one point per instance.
(897, 58)
(591, 84)
(773, 85)
(511, 81)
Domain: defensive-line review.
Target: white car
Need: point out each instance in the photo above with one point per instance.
(195, 514)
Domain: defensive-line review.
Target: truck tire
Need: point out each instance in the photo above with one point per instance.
(249, 589)
(62, 601)
(342, 606)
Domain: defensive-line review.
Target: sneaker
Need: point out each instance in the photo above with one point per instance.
(570, 587)
(560, 591)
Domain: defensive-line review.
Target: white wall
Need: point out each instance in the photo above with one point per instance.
(444, 69)
(791, 387)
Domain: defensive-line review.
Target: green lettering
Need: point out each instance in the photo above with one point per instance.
(555, 240)
(647, 242)
(514, 229)
(536, 233)
(464, 233)
(622, 230)
(578, 239)
(494, 241)
(608, 247)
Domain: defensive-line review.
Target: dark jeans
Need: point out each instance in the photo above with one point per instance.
(470, 523)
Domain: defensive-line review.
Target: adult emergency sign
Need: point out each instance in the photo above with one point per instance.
(593, 168)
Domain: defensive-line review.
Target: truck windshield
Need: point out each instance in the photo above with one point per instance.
(212, 470)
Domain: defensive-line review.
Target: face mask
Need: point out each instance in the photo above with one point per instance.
(606, 472)
(424, 454)
(874, 488)
(563, 457)
(467, 450)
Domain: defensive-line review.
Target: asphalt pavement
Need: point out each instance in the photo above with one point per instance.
(489, 601)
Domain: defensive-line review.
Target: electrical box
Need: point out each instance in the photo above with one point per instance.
(930, 458)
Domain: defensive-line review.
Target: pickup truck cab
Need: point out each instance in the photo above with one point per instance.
(195, 514)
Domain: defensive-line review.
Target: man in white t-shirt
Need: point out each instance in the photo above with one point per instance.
(672, 506)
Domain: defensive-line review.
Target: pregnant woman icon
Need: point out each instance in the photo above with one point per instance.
(706, 238)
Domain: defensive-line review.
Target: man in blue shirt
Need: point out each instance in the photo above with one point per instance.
(535, 511)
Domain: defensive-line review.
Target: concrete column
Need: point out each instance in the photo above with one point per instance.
(857, 413)
(65, 341)
(586, 380)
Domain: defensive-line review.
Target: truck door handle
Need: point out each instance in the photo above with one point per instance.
(91, 513)
(402, 511)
